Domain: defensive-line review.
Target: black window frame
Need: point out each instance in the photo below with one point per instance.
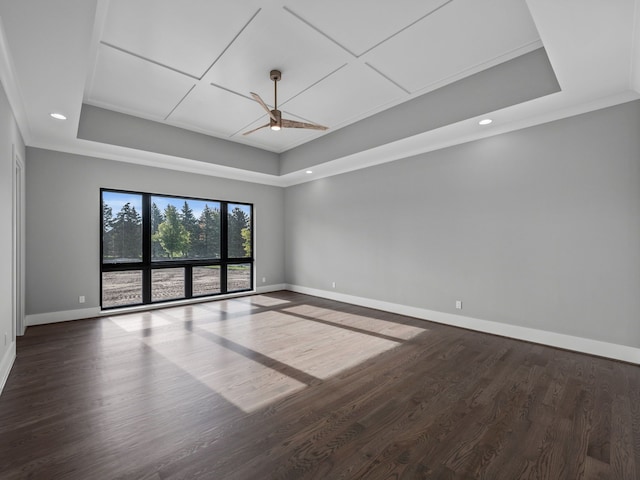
(147, 265)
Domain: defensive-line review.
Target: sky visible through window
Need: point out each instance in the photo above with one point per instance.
(116, 200)
(196, 206)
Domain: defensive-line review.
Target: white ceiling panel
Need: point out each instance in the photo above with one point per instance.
(214, 111)
(358, 25)
(187, 35)
(132, 85)
(351, 93)
(276, 40)
(461, 38)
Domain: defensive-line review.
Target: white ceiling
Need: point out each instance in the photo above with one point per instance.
(191, 64)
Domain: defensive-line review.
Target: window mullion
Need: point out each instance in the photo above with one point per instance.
(146, 248)
(188, 281)
(224, 254)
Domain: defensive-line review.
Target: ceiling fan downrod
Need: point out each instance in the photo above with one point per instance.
(276, 119)
(275, 75)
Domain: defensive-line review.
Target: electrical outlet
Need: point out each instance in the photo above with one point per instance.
(459, 304)
(264, 279)
(81, 299)
(333, 284)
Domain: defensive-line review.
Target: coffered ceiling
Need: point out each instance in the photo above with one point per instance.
(192, 65)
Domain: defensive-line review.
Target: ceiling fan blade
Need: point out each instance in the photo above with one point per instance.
(256, 129)
(264, 105)
(294, 124)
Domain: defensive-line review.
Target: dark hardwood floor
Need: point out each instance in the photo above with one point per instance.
(288, 386)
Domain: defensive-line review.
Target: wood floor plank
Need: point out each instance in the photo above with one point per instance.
(622, 445)
(289, 386)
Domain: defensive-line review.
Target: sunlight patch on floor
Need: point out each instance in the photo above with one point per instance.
(222, 344)
(247, 384)
(192, 313)
(263, 301)
(362, 322)
(230, 306)
(315, 348)
(134, 322)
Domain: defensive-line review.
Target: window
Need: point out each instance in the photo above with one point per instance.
(185, 229)
(121, 227)
(156, 248)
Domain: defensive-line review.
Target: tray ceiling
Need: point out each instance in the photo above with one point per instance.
(192, 64)
(186, 69)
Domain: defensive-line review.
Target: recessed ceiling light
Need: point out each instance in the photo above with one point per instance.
(309, 171)
(58, 116)
(485, 121)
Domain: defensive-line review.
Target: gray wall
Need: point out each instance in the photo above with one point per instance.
(63, 221)
(537, 228)
(10, 139)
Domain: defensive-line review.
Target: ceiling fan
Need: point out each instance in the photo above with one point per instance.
(276, 122)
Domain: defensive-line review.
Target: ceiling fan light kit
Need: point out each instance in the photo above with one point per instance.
(276, 122)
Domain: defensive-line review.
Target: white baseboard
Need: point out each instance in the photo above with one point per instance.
(54, 317)
(544, 337)
(79, 314)
(6, 364)
(271, 288)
